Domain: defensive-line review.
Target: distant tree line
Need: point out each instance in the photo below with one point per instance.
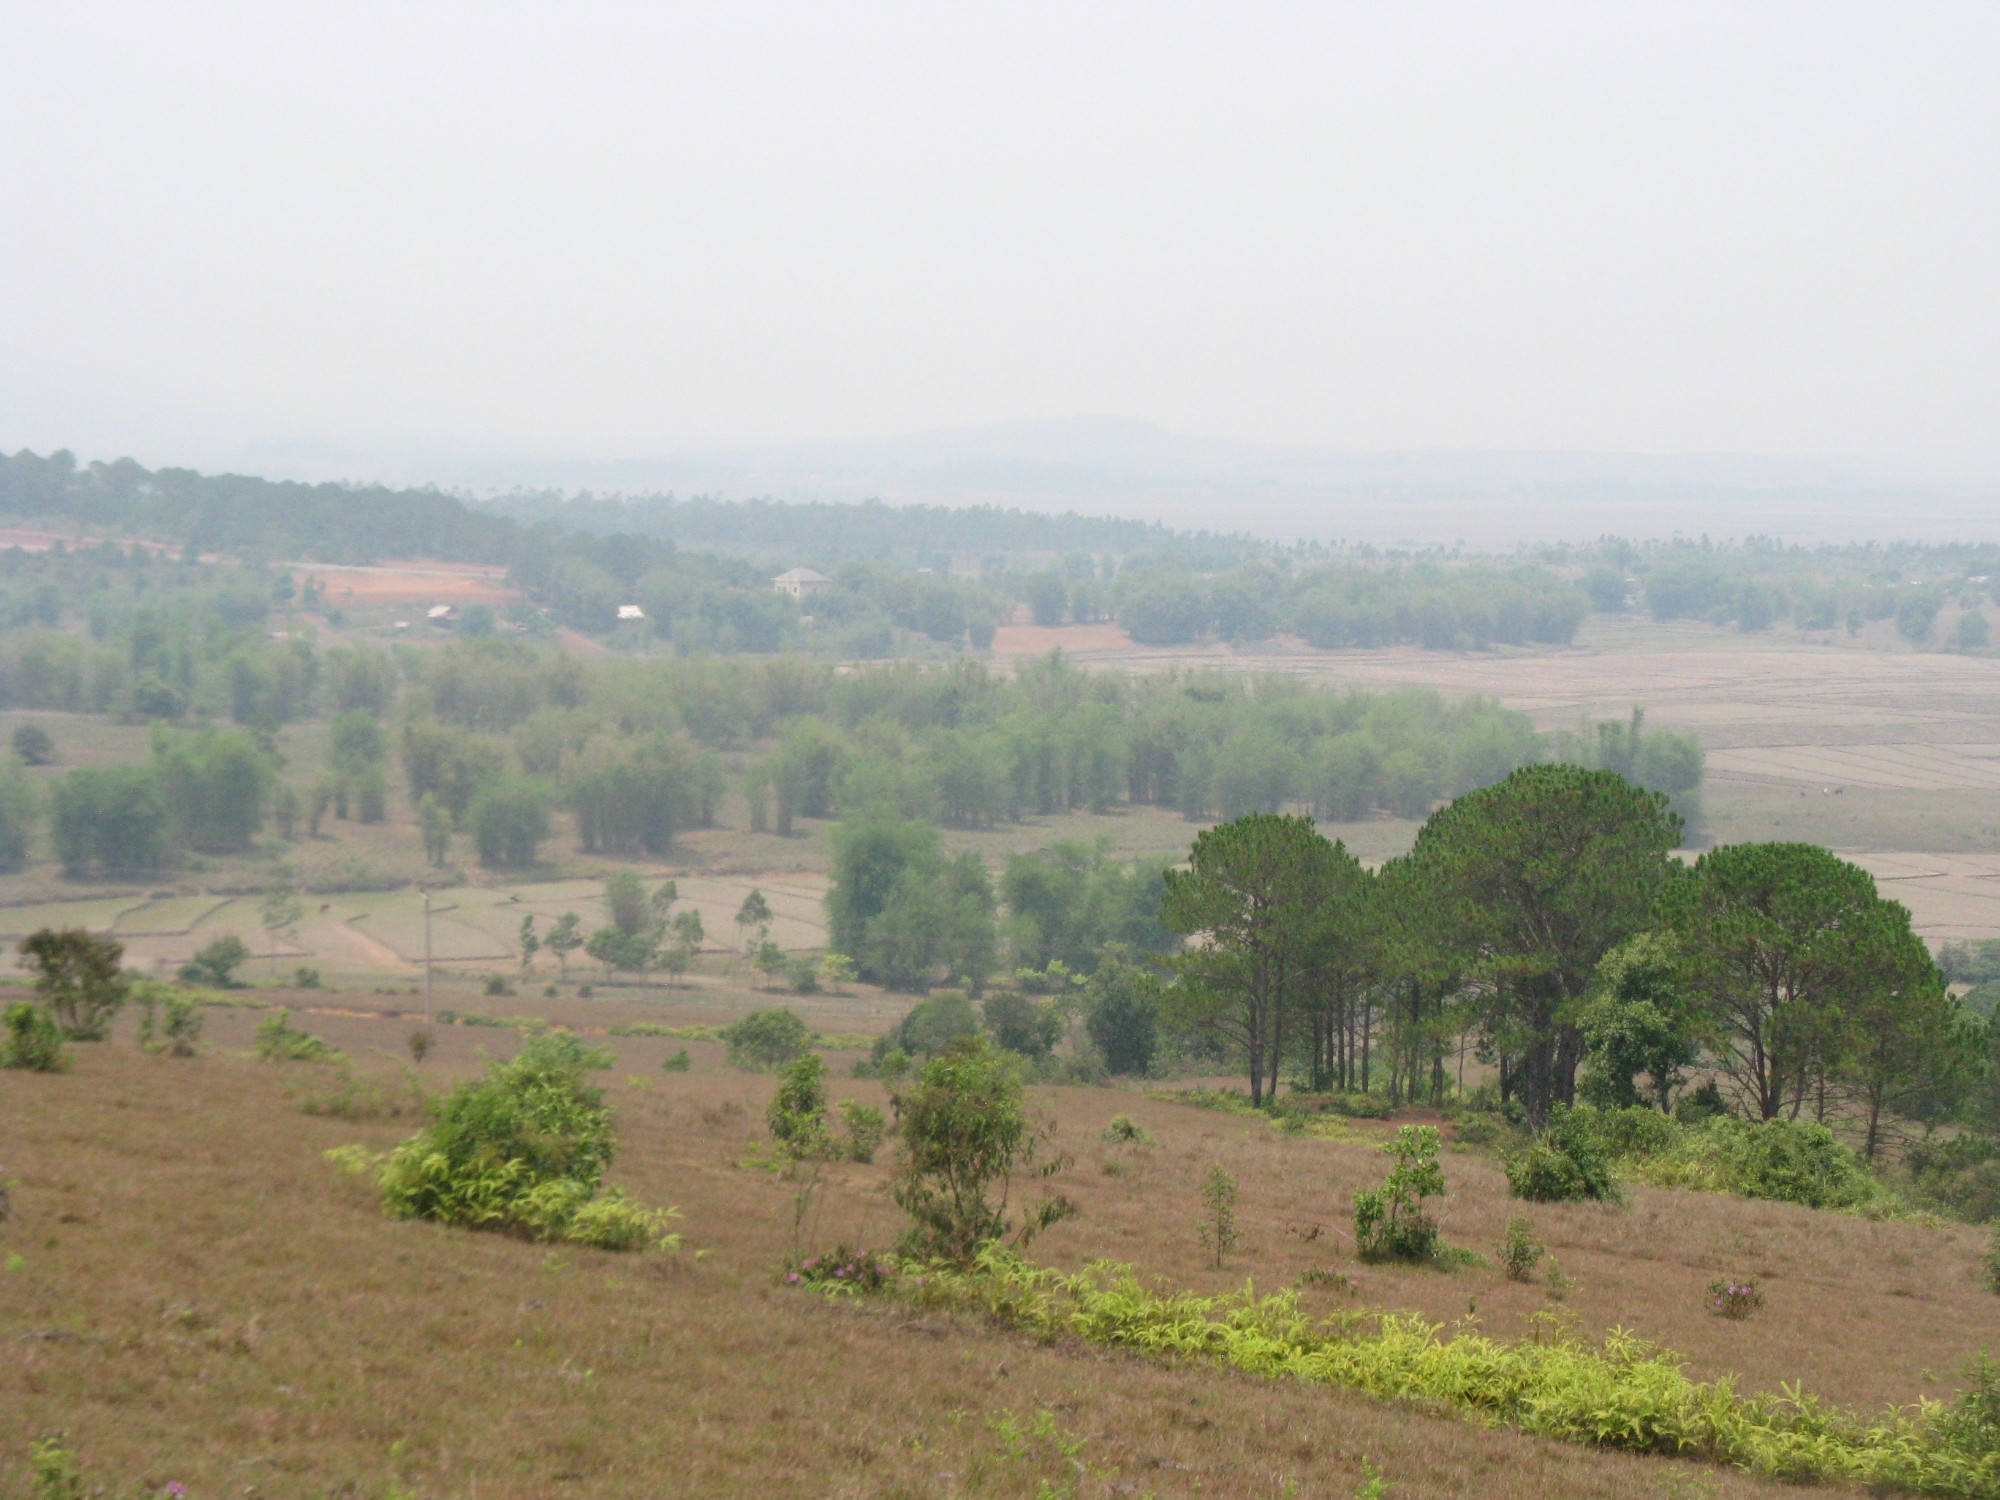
(1936, 595)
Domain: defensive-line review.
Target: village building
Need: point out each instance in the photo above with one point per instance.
(802, 583)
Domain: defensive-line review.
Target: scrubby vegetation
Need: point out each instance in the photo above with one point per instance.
(1624, 1393)
(522, 1150)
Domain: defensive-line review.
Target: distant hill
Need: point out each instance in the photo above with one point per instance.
(1119, 467)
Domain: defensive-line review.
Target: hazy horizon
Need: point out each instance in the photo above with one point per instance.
(435, 244)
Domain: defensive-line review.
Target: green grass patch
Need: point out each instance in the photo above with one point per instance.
(1624, 1393)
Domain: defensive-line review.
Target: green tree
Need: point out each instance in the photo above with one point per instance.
(20, 810)
(33, 747)
(1019, 1025)
(965, 1129)
(77, 978)
(626, 903)
(1251, 897)
(216, 962)
(1123, 1018)
(510, 818)
(1535, 879)
(355, 743)
(216, 785)
(1641, 1023)
(564, 939)
(753, 920)
(836, 971)
(629, 952)
(766, 1039)
(529, 943)
(434, 824)
(1796, 959)
(110, 819)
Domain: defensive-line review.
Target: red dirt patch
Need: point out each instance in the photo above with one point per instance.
(412, 582)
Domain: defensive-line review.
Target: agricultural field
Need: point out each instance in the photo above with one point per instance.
(196, 1297)
(1889, 756)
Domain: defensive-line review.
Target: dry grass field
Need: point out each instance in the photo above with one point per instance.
(195, 1296)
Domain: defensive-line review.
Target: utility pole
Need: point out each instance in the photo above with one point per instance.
(427, 959)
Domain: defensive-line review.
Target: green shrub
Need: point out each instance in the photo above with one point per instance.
(1218, 1231)
(279, 1041)
(802, 976)
(865, 1129)
(965, 1128)
(170, 1020)
(1520, 1251)
(305, 978)
(679, 1062)
(1124, 1130)
(1359, 1105)
(1635, 1130)
(1734, 1300)
(766, 1040)
(523, 1150)
(1702, 1103)
(1788, 1161)
(797, 1115)
(1567, 1164)
(216, 964)
(1990, 1263)
(34, 1043)
(1392, 1223)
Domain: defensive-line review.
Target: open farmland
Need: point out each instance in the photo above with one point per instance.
(197, 1297)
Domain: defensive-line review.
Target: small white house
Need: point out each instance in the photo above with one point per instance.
(630, 612)
(802, 583)
(440, 614)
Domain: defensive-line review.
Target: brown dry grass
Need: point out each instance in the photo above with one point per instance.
(201, 1298)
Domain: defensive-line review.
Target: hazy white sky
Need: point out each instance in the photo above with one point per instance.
(632, 229)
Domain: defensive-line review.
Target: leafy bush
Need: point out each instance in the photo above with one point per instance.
(1734, 1300)
(766, 1040)
(965, 1128)
(523, 1150)
(1704, 1102)
(305, 978)
(1567, 1164)
(279, 1041)
(1990, 1264)
(844, 1270)
(865, 1129)
(1520, 1251)
(1788, 1161)
(215, 965)
(1958, 1174)
(1124, 1130)
(678, 1063)
(34, 1043)
(1392, 1223)
(170, 1020)
(797, 1115)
